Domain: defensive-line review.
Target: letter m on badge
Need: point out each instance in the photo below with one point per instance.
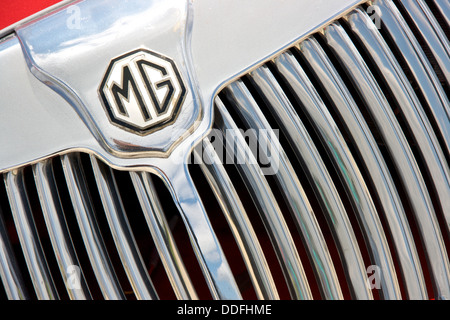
(142, 91)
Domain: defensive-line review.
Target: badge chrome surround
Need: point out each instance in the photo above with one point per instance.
(142, 91)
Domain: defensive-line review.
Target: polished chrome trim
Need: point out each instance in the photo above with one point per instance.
(409, 173)
(28, 236)
(58, 231)
(206, 246)
(9, 270)
(292, 190)
(207, 73)
(92, 238)
(384, 187)
(320, 179)
(346, 166)
(268, 208)
(444, 9)
(418, 63)
(34, 115)
(431, 31)
(123, 237)
(162, 236)
(239, 223)
(408, 103)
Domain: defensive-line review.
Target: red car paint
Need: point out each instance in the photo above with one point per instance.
(14, 11)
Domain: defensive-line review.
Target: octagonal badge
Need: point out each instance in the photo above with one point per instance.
(142, 91)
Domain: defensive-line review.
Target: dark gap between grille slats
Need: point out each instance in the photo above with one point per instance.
(104, 228)
(352, 145)
(182, 240)
(223, 233)
(143, 236)
(42, 232)
(2, 293)
(326, 157)
(74, 231)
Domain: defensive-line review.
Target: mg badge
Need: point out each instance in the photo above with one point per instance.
(142, 91)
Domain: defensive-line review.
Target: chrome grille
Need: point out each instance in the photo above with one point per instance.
(57, 189)
(362, 179)
(365, 115)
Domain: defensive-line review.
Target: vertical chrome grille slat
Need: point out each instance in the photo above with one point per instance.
(206, 246)
(162, 236)
(92, 238)
(401, 89)
(268, 207)
(57, 229)
(238, 221)
(121, 232)
(28, 236)
(395, 140)
(376, 166)
(10, 273)
(292, 190)
(321, 181)
(432, 33)
(344, 163)
(444, 9)
(422, 71)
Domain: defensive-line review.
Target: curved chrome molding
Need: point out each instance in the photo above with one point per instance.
(93, 240)
(350, 176)
(9, 271)
(409, 104)
(207, 248)
(123, 237)
(416, 59)
(207, 68)
(320, 179)
(162, 236)
(431, 31)
(28, 237)
(293, 191)
(112, 35)
(57, 228)
(239, 223)
(268, 208)
(412, 179)
(376, 166)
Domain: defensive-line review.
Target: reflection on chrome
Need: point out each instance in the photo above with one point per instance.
(191, 150)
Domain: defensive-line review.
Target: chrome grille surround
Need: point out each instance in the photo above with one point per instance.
(389, 148)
